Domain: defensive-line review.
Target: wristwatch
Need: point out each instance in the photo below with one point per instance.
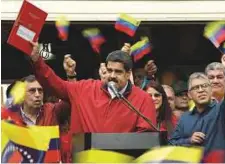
(72, 76)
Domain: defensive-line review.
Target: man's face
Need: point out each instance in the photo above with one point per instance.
(200, 91)
(171, 97)
(217, 80)
(118, 74)
(139, 75)
(181, 100)
(34, 95)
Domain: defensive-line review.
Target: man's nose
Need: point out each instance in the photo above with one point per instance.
(37, 93)
(214, 80)
(113, 75)
(185, 97)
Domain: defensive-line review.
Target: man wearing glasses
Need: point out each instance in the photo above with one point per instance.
(205, 124)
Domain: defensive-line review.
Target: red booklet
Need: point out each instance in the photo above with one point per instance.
(27, 27)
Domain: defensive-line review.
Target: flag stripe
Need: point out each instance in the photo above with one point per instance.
(129, 19)
(124, 29)
(97, 39)
(220, 36)
(54, 144)
(127, 24)
(142, 53)
(51, 156)
(140, 49)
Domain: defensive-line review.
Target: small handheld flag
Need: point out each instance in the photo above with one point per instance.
(215, 32)
(95, 38)
(141, 48)
(18, 92)
(62, 25)
(127, 24)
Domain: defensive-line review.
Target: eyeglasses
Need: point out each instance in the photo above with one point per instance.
(202, 86)
(156, 95)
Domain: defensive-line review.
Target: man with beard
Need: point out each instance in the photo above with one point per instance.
(93, 103)
(204, 125)
(216, 74)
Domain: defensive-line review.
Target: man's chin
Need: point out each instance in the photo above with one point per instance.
(37, 106)
(204, 102)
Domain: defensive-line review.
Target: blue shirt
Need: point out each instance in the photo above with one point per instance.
(211, 122)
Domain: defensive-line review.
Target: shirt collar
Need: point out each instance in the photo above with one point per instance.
(122, 91)
(213, 103)
(26, 119)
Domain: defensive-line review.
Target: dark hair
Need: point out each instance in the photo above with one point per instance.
(165, 112)
(30, 78)
(121, 57)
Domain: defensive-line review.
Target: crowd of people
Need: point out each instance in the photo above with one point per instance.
(192, 112)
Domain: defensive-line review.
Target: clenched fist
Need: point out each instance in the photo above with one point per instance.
(126, 48)
(35, 52)
(150, 68)
(69, 65)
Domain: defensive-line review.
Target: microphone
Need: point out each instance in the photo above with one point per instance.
(113, 88)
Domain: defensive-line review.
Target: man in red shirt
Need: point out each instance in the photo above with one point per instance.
(94, 107)
(34, 112)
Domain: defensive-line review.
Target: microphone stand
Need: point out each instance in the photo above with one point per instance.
(130, 106)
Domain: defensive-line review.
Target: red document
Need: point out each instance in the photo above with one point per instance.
(27, 27)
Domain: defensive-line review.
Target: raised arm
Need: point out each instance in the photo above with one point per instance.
(46, 76)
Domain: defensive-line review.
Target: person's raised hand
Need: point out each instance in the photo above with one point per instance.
(69, 65)
(126, 48)
(150, 68)
(35, 51)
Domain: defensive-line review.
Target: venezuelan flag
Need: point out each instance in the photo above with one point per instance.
(215, 32)
(101, 156)
(127, 24)
(29, 144)
(141, 48)
(172, 154)
(95, 38)
(62, 25)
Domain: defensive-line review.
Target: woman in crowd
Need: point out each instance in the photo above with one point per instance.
(166, 121)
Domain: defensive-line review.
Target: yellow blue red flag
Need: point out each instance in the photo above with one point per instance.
(33, 144)
(127, 24)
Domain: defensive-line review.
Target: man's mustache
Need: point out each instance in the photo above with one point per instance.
(114, 80)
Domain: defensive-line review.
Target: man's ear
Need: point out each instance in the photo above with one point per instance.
(223, 59)
(129, 73)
